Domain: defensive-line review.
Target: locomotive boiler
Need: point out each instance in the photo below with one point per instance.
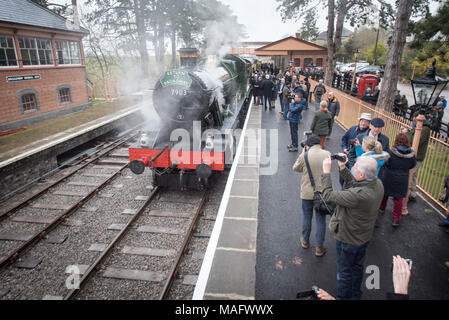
(199, 107)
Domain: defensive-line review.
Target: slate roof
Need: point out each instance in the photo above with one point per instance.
(29, 13)
(323, 35)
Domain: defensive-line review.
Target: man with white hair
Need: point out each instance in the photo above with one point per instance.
(353, 220)
(319, 91)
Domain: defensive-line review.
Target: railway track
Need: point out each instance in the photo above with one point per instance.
(52, 222)
(166, 279)
(97, 228)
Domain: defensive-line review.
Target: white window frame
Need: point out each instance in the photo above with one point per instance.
(15, 52)
(69, 52)
(37, 51)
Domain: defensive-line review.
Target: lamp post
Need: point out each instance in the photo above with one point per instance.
(426, 88)
(356, 54)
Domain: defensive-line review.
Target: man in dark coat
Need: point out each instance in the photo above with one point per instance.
(396, 175)
(267, 89)
(397, 102)
(280, 88)
(334, 108)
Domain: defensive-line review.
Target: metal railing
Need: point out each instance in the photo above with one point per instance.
(435, 167)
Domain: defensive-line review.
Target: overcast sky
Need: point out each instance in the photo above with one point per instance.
(263, 22)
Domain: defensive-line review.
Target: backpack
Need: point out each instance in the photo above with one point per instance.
(319, 90)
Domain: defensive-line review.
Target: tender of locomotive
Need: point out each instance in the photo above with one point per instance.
(198, 107)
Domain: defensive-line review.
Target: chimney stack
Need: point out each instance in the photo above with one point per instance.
(298, 35)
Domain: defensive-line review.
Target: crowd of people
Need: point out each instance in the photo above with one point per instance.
(370, 174)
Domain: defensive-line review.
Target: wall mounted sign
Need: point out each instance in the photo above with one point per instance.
(23, 78)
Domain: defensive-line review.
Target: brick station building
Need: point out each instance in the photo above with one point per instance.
(293, 50)
(42, 66)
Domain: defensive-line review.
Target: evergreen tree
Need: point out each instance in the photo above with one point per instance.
(309, 30)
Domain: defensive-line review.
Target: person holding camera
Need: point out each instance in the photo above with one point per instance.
(315, 156)
(353, 220)
(321, 123)
(294, 117)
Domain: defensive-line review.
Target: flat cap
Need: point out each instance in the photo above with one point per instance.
(312, 140)
(378, 122)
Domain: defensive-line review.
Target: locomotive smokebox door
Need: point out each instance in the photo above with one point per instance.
(137, 166)
(203, 171)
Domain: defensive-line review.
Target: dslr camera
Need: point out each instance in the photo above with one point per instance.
(338, 157)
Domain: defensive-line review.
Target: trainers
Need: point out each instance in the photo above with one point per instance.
(294, 149)
(320, 251)
(304, 244)
(395, 224)
(289, 146)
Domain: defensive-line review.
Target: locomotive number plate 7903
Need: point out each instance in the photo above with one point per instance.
(178, 92)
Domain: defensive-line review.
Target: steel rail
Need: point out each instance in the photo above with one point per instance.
(89, 272)
(183, 249)
(40, 235)
(34, 196)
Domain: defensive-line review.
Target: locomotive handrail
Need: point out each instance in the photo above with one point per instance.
(159, 154)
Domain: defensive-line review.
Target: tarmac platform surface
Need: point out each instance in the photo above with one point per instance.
(284, 268)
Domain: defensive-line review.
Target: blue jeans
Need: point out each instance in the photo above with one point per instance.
(286, 107)
(350, 260)
(294, 133)
(307, 214)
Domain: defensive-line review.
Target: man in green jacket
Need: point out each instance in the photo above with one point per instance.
(322, 123)
(353, 221)
(422, 149)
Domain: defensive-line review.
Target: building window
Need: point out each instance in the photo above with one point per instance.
(7, 52)
(319, 62)
(297, 62)
(29, 101)
(35, 51)
(68, 52)
(64, 94)
(308, 62)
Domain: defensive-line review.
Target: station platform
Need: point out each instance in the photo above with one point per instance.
(259, 256)
(28, 154)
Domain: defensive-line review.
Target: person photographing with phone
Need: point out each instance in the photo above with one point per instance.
(353, 221)
(401, 276)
